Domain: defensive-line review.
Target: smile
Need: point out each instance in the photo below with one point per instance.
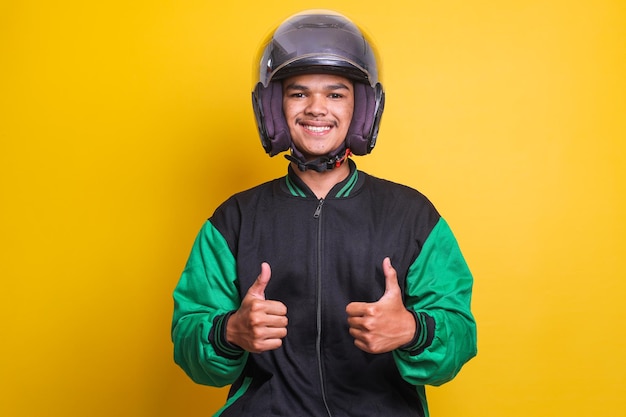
(316, 129)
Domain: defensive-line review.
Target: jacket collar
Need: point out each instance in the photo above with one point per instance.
(296, 187)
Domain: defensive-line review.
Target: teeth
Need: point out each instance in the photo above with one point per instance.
(317, 129)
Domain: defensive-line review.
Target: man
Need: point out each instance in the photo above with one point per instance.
(328, 292)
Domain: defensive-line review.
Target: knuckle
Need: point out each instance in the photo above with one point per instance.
(372, 310)
(256, 305)
(255, 321)
(256, 332)
(368, 325)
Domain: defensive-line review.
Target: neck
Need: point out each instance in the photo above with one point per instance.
(321, 183)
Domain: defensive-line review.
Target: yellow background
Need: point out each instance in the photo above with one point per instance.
(124, 124)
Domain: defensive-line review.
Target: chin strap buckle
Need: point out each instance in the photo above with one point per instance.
(342, 159)
(321, 164)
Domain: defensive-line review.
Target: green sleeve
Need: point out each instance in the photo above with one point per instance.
(438, 289)
(205, 294)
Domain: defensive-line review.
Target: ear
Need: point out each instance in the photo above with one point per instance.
(268, 109)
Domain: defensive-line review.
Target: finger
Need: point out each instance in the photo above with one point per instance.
(265, 345)
(275, 308)
(356, 309)
(257, 289)
(356, 325)
(391, 278)
(274, 333)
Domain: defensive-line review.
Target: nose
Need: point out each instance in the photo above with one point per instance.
(316, 105)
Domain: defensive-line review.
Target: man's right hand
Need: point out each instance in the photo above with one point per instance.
(259, 324)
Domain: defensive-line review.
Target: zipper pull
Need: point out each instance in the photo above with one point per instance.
(318, 210)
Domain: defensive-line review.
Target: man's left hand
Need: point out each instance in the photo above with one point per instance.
(384, 325)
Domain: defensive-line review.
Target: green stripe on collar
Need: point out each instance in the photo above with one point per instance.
(345, 191)
(293, 188)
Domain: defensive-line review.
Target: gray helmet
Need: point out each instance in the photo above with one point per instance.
(318, 41)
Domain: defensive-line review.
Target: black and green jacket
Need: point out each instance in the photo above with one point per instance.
(325, 254)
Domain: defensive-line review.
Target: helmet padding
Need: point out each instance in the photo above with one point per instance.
(368, 107)
(277, 138)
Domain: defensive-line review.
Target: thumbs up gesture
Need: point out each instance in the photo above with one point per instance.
(259, 324)
(384, 325)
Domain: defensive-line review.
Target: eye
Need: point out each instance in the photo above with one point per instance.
(335, 95)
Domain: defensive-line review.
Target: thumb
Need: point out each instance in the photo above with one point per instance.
(391, 279)
(257, 289)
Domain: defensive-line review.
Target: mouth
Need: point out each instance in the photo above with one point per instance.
(316, 128)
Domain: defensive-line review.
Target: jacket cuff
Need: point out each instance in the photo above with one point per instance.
(217, 338)
(424, 333)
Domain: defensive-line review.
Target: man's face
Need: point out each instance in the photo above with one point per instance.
(318, 109)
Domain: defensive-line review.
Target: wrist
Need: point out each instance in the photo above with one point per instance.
(219, 337)
(424, 333)
(414, 328)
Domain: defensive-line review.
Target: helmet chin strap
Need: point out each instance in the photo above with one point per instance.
(321, 164)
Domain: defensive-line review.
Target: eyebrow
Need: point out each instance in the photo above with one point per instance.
(332, 87)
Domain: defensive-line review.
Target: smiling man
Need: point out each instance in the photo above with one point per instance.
(318, 109)
(328, 292)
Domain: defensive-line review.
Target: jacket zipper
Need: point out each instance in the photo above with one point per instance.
(318, 210)
(318, 341)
